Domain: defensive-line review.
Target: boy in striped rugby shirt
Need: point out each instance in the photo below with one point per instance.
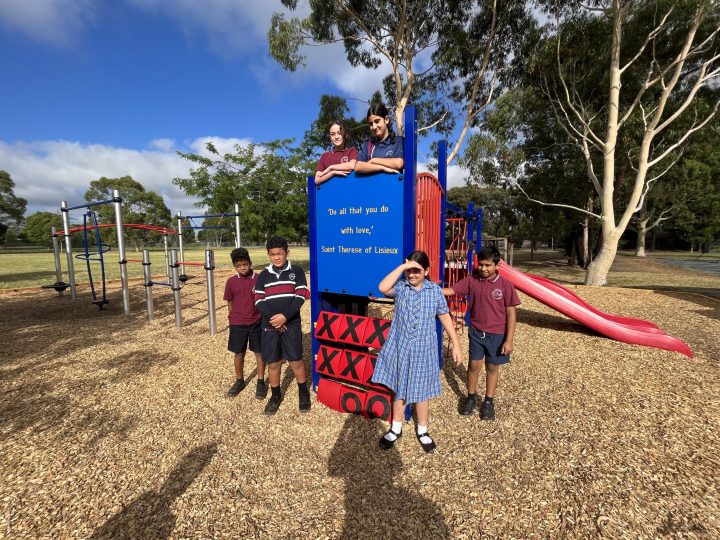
(280, 292)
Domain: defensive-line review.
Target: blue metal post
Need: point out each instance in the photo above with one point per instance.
(410, 171)
(442, 179)
(314, 292)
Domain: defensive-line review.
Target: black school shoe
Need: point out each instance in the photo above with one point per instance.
(428, 447)
(261, 390)
(273, 405)
(304, 400)
(387, 444)
(236, 388)
(469, 405)
(487, 410)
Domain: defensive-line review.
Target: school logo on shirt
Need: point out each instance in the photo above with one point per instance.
(292, 276)
(497, 294)
(344, 159)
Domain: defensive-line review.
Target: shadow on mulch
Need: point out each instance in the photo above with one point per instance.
(375, 505)
(708, 300)
(150, 515)
(135, 363)
(552, 322)
(455, 376)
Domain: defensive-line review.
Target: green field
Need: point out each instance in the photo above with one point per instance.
(26, 270)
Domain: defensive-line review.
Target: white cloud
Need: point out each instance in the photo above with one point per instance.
(456, 175)
(229, 26)
(48, 172)
(58, 22)
(222, 145)
(164, 145)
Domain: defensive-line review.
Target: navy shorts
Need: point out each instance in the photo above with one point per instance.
(240, 335)
(487, 346)
(287, 345)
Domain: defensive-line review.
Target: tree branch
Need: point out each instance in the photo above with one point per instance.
(581, 210)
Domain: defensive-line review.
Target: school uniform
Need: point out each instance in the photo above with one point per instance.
(244, 317)
(336, 157)
(409, 362)
(489, 299)
(281, 290)
(390, 147)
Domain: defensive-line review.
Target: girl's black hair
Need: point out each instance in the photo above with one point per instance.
(489, 253)
(419, 257)
(379, 109)
(343, 131)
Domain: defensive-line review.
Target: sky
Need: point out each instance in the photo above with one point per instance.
(93, 88)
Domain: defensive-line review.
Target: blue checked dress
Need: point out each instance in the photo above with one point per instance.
(409, 362)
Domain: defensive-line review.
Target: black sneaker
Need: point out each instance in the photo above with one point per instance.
(487, 410)
(273, 405)
(261, 389)
(236, 388)
(469, 405)
(304, 400)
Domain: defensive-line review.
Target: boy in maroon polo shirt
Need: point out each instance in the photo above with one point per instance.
(244, 319)
(492, 327)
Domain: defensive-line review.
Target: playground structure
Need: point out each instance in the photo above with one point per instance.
(183, 276)
(370, 222)
(174, 266)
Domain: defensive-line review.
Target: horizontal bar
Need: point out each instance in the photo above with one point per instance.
(88, 205)
(209, 215)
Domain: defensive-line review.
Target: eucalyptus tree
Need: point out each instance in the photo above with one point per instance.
(449, 57)
(660, 56)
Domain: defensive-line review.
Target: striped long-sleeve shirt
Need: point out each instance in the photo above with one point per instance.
(281, 291)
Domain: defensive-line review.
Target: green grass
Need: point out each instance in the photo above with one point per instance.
(627, 271)
(27, 270)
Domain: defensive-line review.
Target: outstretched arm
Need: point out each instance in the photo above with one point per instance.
(339, 169)
(373, 166)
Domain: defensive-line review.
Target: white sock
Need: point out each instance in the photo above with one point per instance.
(422, 430)
(395, 427)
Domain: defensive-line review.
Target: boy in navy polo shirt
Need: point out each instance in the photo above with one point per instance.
(244, 319)
(280, 292)
(492, 327)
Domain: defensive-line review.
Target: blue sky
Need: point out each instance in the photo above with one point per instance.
(94, 88)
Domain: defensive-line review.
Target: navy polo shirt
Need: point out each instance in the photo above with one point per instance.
(382, 149)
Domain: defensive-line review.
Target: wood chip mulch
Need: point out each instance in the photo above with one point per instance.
(113, 427)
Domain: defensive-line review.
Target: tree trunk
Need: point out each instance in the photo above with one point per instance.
(597, 270)
(641, 233)
(572, 256)
(585, 255)
(532, 250)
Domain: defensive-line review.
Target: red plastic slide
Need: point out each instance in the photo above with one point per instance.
(625, 329)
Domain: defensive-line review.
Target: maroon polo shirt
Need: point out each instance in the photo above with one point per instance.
(335, 157)
(488, 300)
(240, 290)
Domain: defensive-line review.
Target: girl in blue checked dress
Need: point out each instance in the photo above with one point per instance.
(409, 362)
